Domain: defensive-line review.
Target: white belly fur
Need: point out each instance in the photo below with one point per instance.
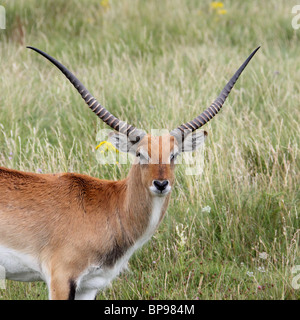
(19, 266)
(98, 278)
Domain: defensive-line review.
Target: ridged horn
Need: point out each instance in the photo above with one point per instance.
(94, 105)
(214, 108)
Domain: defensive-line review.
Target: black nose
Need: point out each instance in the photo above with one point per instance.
(161, 185)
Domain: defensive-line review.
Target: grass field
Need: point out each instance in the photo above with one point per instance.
(232, 232)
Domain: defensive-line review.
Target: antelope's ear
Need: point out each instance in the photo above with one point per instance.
(123, 143)
(193, 141)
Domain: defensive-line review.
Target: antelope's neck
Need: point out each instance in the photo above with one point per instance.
(144, 211)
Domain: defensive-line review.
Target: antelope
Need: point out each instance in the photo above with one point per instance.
(76, 232)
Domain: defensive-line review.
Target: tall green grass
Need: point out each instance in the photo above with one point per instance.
(157, 64)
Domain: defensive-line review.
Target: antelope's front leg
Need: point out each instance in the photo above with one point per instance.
(61, 287)
(62, 280)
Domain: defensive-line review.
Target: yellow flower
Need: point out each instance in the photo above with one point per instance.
(222, 11)
(108, 153)
(100, 144)
(104, 4)
(106, 146)
(216, 5)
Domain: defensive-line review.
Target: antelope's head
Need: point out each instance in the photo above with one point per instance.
(155, 155)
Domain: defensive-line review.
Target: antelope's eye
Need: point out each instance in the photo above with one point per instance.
(173, 156)
(140, 155)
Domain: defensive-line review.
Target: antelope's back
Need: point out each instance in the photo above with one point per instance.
(39, 210)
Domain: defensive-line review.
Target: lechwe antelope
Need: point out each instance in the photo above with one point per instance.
(76, 232)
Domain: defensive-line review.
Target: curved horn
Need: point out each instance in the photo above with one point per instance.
(215, 107)
(93, 104)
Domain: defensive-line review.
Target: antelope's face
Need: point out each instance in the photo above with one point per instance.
(155, 157)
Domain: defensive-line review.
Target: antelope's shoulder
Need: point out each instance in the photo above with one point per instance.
(84, 180)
